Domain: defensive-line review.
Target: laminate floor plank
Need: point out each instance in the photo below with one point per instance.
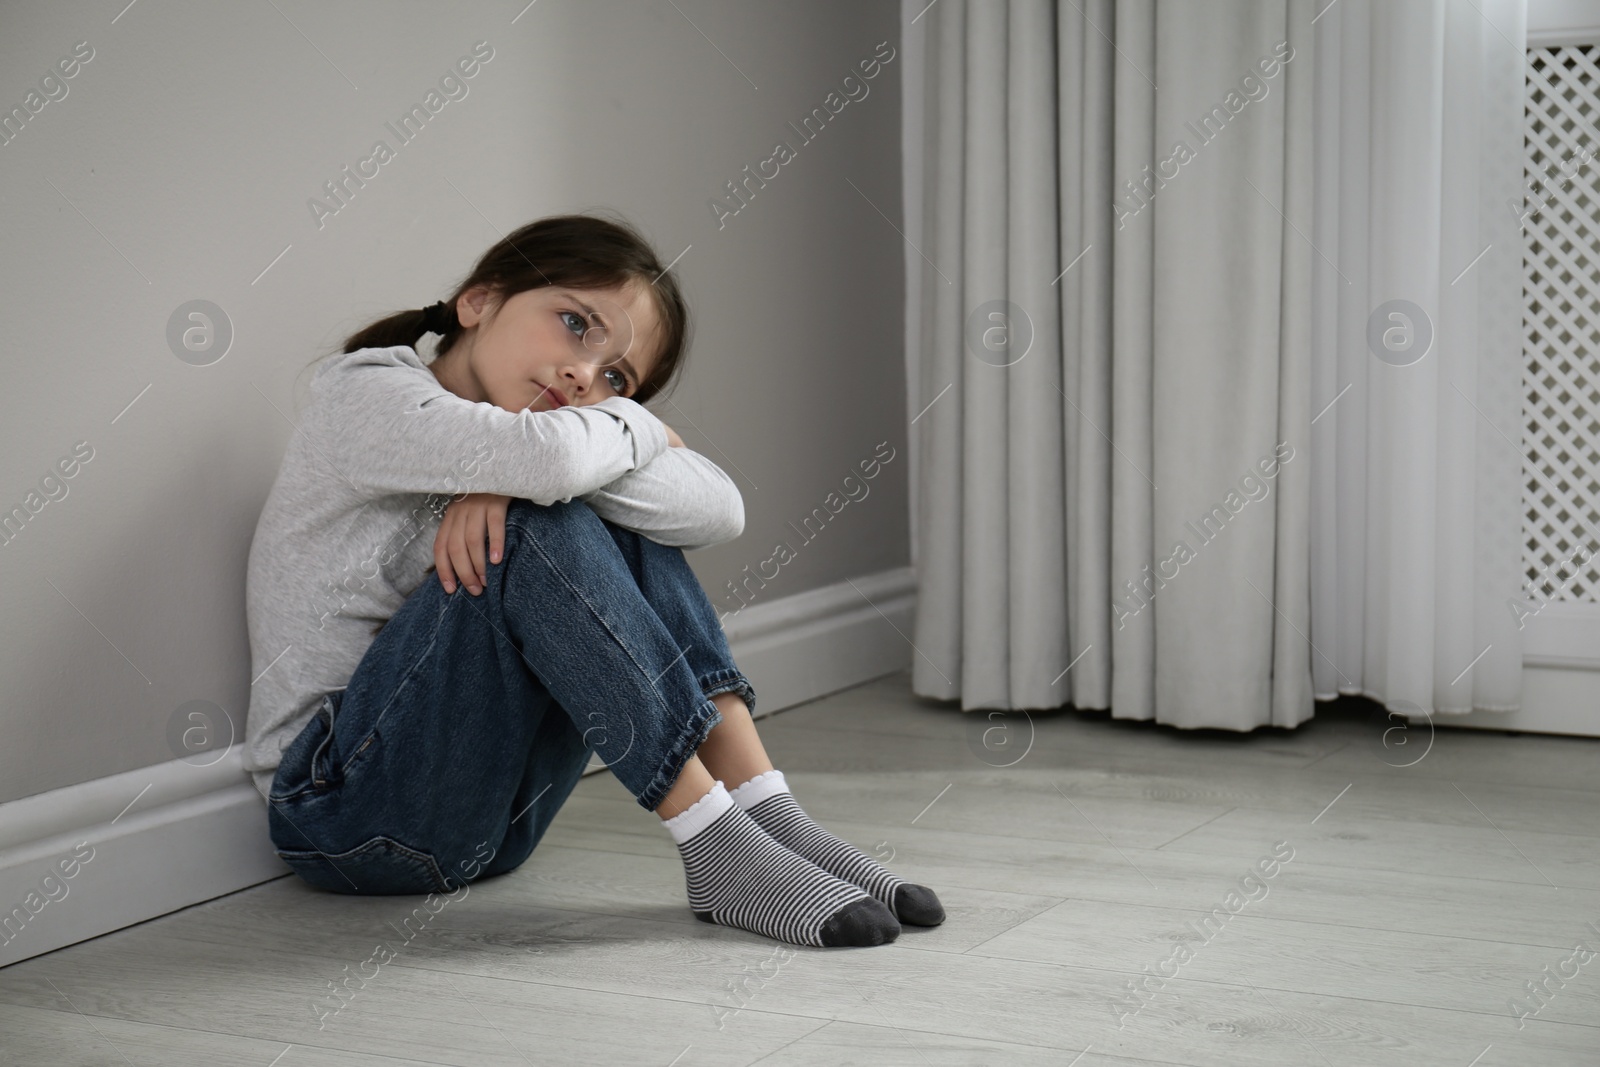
(1357, 842)
(1079, 774)
(1212, 945)
(66, 1039)
(842, 1044)
(441, 1013)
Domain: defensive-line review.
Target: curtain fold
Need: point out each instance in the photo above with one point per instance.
(1135, 301)
(1087, 121)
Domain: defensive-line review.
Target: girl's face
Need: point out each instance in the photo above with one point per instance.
(548, 347)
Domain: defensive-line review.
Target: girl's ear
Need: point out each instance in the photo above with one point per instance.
(470, 308)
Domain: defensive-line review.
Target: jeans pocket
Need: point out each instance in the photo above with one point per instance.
(297, 764)
(313, 762)
(381, 866)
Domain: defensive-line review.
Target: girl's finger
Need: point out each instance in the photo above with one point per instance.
(441, 555)
(473, 528)
(497, 528)
(461, 558)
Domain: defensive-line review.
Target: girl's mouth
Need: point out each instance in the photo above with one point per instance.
(555, 396)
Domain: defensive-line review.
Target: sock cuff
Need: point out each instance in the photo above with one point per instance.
(700, 814)
(759, 788)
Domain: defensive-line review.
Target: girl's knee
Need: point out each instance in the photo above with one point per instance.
(554, 524)
(566, 533)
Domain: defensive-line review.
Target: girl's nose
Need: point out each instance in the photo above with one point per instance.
(577, 379)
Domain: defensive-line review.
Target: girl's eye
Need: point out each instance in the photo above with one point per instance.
(621, 380)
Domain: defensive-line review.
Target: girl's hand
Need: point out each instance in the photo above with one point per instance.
(458, 547)
(672, 437)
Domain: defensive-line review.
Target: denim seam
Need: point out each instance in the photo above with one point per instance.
(690, 737)
(432, 640)
(533, 541)
(326, 743)
(280, 802)
(473, 603)
(727, 680)
(310, 786)
(425, 859)
(706, 715)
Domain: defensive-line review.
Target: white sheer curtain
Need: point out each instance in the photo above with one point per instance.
(1416, 527)
(1118, 368)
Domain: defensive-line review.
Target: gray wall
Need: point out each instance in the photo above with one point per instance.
(178, 166)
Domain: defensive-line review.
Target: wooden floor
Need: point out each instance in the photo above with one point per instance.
(1419, 901)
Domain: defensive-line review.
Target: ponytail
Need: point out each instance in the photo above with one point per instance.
(401, 328)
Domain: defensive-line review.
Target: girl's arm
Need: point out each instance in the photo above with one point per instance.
(386, 425)
(680, 498)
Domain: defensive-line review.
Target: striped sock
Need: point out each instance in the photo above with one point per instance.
(738, 876)
(768, 800)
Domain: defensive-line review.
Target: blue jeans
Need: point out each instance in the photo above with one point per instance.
(470, 719)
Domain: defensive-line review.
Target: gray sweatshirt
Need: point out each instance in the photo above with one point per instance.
(346, 534)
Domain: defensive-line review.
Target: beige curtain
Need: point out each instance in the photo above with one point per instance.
(1116, 480)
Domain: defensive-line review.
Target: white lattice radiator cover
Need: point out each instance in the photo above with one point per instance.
(1561, 326)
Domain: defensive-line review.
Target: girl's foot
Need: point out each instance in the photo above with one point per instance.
(768, 800)
(739, 876)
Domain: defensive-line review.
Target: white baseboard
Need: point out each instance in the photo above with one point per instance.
(1560, 675)
(210, 838)
(156, 839)
(1563, 635)
(806, 646)
(1555, 700)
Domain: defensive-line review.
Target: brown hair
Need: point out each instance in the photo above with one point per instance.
(583, 251)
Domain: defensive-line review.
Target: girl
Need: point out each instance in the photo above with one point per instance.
(435, 747)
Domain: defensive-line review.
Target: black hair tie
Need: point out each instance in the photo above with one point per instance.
(439, 318)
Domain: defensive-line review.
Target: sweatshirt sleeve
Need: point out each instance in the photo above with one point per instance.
(680, 498)
(388, 427)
